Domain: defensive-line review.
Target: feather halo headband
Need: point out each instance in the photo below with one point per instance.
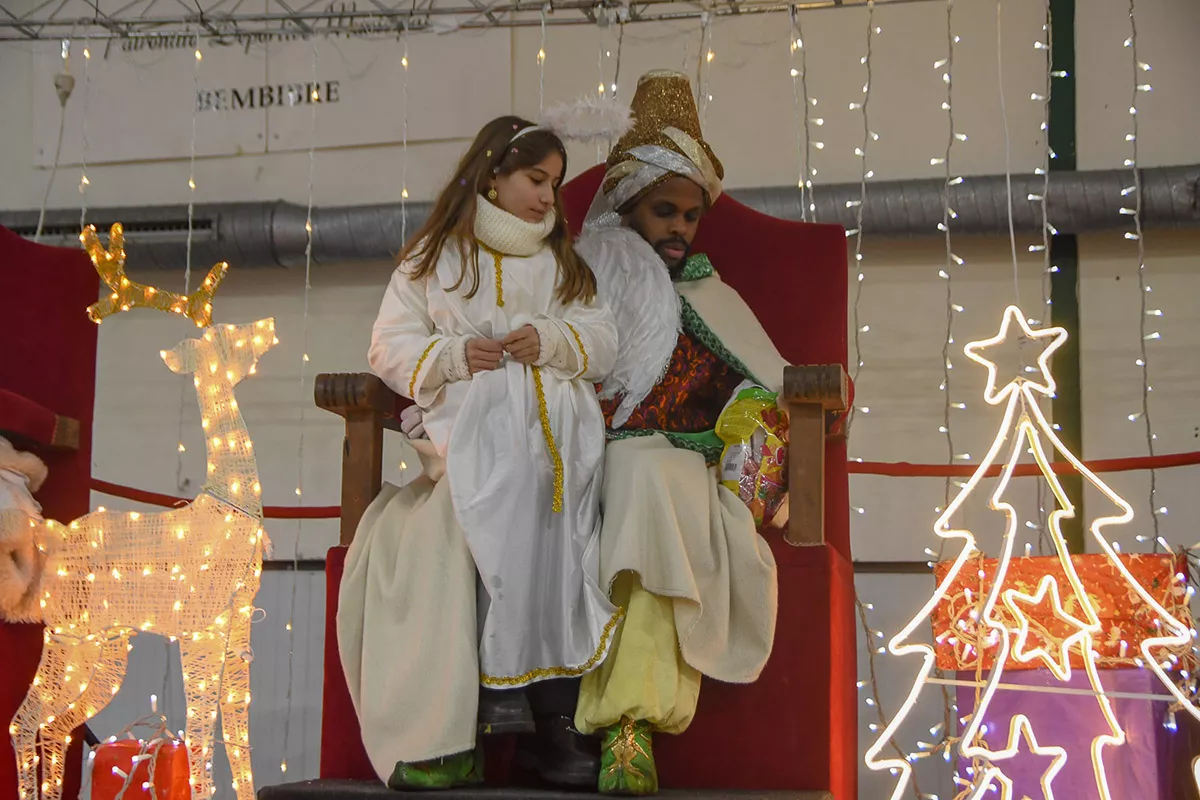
(587, 119)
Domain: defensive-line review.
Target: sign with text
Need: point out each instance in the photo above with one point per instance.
(141, 94)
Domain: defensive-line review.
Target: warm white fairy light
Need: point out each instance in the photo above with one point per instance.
(944, 67)
(1133, 196)
(859, 205)
(1048, 229)
(308, 228)
(541, 62)
(803, 103)
(187, 269)
(704, 59)
(192, 162)
(1042, 197)
(404, 64)
(1012, 235)
(607, 87)
(84, 181)
(872, 681)
(104, 586)
(807, 171)
(601, 85)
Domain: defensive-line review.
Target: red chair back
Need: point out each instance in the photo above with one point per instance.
(796, 727)
(49, 363)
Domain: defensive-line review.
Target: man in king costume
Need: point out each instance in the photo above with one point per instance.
(679, 553)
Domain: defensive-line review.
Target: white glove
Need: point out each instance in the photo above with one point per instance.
(411, 425)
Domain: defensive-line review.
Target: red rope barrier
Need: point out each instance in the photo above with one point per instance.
(893, 469)
(168, 501)
(903, 469)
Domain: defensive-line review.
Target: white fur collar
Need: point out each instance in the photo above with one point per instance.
(633, 280)
(509, 234)
(26, 464)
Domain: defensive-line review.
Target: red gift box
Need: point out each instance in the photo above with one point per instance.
(1125, 619)
(169, 758)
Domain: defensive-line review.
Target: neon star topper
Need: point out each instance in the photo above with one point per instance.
(1024, 427)
(1056, 337)
(127, 294)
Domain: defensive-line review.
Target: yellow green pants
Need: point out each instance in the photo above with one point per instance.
(644, 676)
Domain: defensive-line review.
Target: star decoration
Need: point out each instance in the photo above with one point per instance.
(1021, 728)
(1059, 663)
(1044, 384)
(127, 294)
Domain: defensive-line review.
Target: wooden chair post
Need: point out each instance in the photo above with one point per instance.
(810, 393)
(364, 401)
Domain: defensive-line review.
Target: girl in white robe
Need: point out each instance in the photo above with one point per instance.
(490, 325)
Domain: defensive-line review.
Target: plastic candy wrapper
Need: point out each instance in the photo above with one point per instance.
(754, 461)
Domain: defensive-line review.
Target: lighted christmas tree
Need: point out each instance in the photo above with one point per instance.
(999, 620)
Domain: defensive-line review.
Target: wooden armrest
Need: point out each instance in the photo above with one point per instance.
(810, 392)
(28, 423)
(66, 433)
(352, 392)
(367, 404)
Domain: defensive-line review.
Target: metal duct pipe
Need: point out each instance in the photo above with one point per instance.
(269, 234)
(272, 234)
(1078, 202)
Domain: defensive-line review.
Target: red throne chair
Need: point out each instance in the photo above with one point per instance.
(795, 729)
(47, 386)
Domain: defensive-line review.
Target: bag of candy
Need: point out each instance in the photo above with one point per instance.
(754, 462)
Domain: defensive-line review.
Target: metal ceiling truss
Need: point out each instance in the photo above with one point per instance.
(232, 22)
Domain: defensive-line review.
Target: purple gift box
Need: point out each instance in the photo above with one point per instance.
(1138, 770)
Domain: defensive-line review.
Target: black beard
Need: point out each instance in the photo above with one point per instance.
(676, 268)
(673, 269)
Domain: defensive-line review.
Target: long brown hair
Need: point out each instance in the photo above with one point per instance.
(453, 217)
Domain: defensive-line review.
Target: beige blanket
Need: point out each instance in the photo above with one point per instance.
(667, 518)
(406, 628)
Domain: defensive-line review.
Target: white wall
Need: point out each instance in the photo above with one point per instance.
(751, 124)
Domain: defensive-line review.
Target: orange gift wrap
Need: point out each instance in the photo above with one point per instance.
(1125, 620)
(113, 760)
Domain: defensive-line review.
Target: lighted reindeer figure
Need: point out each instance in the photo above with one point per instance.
(190, 574)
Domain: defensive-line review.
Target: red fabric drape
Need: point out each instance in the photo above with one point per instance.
(49, 363)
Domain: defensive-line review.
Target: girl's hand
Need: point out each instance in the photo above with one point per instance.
(483, 354)
(523, 344)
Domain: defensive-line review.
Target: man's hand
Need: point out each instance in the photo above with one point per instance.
(483, 354)
(523, 344)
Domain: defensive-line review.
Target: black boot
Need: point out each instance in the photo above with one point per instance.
(559, 754)
(504, 711)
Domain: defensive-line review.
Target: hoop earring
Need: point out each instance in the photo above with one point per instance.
(492, 194)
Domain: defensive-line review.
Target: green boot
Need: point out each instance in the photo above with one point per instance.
(627, 760)
(461, 769)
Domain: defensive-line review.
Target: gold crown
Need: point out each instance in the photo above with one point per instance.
(127, 294)
(663, 99)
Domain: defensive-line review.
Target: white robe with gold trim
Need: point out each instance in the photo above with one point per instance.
(519, 442)
(407, 615)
